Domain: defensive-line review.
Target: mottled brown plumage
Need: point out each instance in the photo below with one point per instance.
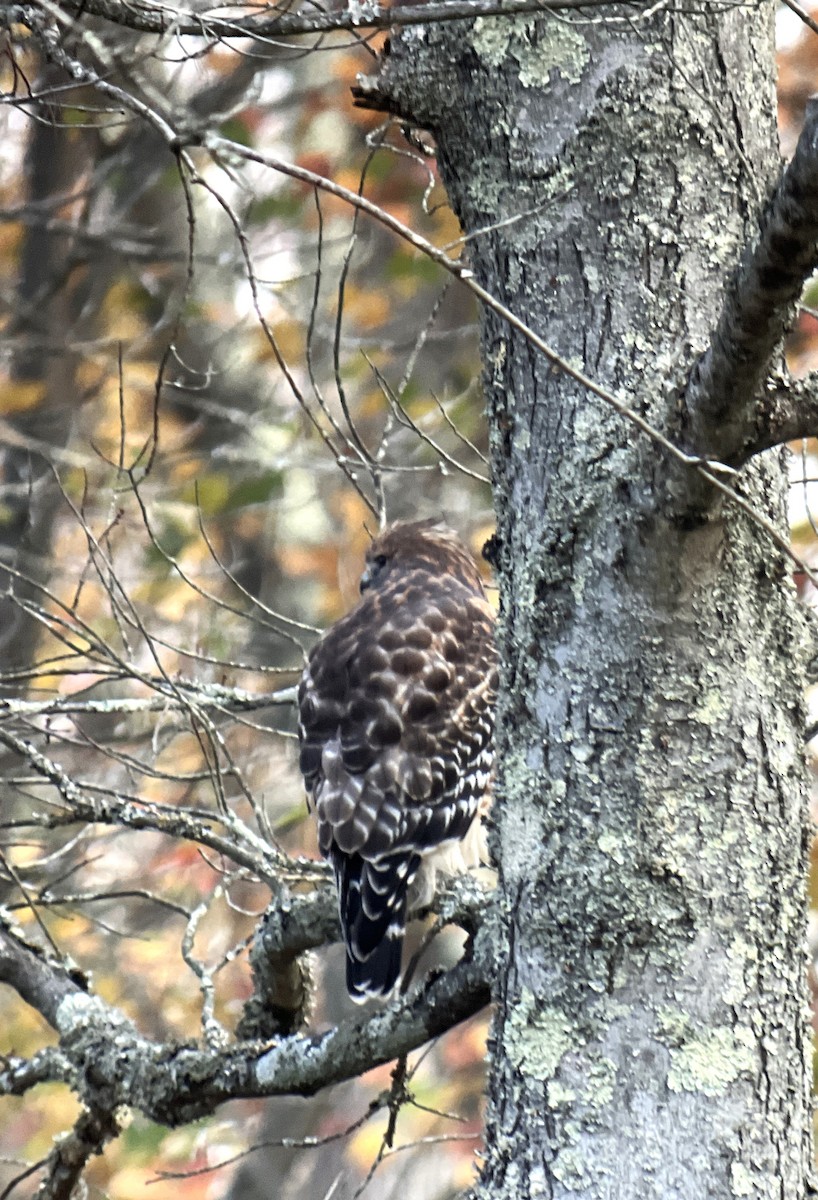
(396, 723)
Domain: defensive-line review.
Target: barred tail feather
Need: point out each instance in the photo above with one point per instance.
(372, 906)
(376, 975)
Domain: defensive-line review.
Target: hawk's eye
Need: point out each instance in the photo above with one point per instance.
(372, 570)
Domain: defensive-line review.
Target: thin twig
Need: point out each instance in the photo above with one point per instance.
(708, 469)
(159, 18)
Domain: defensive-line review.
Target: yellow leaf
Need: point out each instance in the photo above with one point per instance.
(10, 236)
(20, 395)
(131, 1182)
(368, 307)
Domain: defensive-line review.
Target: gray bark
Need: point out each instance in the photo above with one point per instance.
(650, 1036)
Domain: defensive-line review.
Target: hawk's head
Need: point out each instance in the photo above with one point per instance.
(426, 544)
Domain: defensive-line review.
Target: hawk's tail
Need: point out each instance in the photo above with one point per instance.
(372, 903)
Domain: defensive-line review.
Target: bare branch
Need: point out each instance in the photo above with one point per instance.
(208, 695)
(158, 18)
(70, 1155)
(112, 1064)
(725, 416)
(41, 982)
(174, 1084)
(295, 924)
(239, 845)
(282, 994)
(790, 408)
(802, 15)
(45, 985)
(18, 1075)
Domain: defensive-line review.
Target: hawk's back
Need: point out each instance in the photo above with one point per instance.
(396, 724)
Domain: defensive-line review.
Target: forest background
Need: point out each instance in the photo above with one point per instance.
(210, 390)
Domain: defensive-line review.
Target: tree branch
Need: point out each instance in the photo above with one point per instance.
(726, 417)
(69, 1156)
(109, 1063)
(205, 695)
(293, 925)
(17, 1075)
(282, 990)
(174, 1084)
(159, 19)
(788, 408)
(242, 846)
(41, 982)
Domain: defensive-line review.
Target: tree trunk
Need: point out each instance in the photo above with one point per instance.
(650, 1033)
(42, 324)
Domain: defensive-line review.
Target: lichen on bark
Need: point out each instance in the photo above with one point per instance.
(650, 819)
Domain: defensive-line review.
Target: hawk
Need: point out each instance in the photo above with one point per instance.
(396, 722)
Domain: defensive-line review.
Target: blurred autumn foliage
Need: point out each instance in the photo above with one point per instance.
(212, 386)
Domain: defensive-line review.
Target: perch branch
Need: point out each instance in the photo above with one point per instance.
(174, 1084)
